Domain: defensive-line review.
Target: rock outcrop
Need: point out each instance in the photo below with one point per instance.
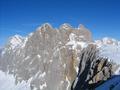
(57, 59)
(93, 70)
(47, 58)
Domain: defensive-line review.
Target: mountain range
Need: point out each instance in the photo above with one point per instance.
(65, 58)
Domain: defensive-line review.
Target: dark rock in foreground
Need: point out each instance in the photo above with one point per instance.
(93, 70)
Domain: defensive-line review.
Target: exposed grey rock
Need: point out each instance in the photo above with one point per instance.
(51, 59)
(93, 70)
(47, 58)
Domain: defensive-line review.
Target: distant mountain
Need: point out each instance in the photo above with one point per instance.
(49, 58)
(110, 48)
(107, 41)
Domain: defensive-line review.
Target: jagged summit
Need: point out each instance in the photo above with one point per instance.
(66, 26)
(45, 54)
(15, 41)
(107, 41)
(47, 59)
(81, 26)
(45, 26)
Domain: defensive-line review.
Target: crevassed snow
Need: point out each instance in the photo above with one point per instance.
(7, 82)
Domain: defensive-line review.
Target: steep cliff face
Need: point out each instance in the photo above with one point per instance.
(59, 59)
(93, 70)
(47, 58)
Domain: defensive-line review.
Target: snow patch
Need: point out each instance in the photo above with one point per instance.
(75, 43)
(3, 52)
(51, 61)
(43, 86)
(27, 57)
(24, 43)
(64, 65)
(42, 75)
(68, 83)
(76, 69)
(15, 41)
(30, 34)
(38, 56)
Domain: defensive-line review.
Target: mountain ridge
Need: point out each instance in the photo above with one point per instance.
(47, 53)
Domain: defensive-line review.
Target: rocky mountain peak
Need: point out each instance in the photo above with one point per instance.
(50, 59)
(44, 27)
(45, 54)
(15, 41)
(65, 26)
(81, 26)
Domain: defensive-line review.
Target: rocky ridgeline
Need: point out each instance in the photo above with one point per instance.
(47, 58)
(51, 59)
(93, 70)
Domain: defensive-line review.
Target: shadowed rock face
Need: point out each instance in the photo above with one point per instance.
(47, 58)
(93, 70)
